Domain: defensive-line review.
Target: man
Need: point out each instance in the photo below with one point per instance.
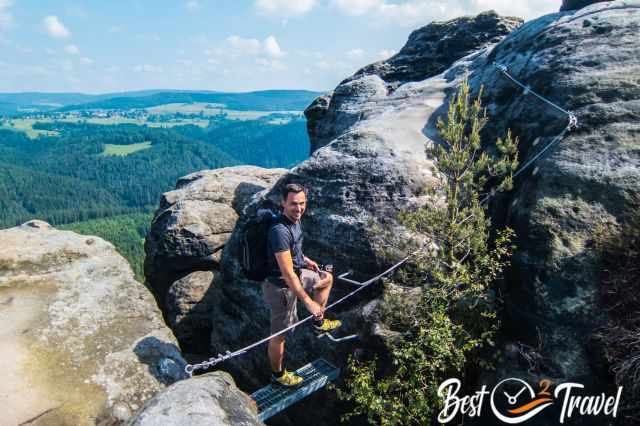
(292, 276)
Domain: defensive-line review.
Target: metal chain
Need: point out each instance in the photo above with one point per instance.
(190, 368)
(571, 124)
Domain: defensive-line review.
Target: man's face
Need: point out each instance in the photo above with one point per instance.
(295, 204)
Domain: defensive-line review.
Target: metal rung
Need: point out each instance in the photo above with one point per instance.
(350, 281)
(337, 339)
(274, 398)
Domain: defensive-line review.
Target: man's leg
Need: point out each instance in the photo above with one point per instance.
(282, 303)
(319, 287)
(276, 353)
(322, 288)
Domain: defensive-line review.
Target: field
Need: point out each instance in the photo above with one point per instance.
(211, 110)
(26, 125)
(111, 149)
(208, 110)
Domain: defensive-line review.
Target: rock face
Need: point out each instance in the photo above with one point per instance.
(208, 400)
(577, 4)
(429, 51)
(191, 224)
(82, 342)
(189, 306)
(588, 62)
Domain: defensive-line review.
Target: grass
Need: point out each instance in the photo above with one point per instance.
(208, 110)
(122, 150)
(26, 125)
(212, 110)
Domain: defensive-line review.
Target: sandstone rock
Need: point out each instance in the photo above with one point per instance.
(429, 51)
(197, 218)
(189, 307)
(577, 4)
(587, 62)
(208, 400)
(82, 341)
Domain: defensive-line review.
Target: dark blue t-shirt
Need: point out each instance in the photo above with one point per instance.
(284, 235)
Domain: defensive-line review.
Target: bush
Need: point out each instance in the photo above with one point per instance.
(454, 320)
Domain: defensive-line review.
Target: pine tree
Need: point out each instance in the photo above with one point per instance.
(453, 323)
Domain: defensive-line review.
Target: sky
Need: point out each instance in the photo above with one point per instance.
(97, 46)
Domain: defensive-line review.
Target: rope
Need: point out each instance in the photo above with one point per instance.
(572, 123)
(190, 368)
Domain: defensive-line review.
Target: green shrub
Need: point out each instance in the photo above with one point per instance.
(452, 324)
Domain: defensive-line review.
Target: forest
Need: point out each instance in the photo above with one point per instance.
(76, 180)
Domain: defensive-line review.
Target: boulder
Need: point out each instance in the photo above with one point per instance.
(83, 343)
(189, 307)
(196, 219)
(586, 62)
(577, 4)
(429, 51)
(208, 400)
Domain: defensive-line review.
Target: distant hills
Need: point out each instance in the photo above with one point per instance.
(13, 104)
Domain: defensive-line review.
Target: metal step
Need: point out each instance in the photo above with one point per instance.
(274, 398)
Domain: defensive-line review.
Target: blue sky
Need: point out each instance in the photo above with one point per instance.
(98, 46)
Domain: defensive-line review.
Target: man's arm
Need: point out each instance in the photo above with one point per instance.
(285, 263)
(311, 264)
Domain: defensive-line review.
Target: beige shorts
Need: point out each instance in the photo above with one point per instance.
(283, 302)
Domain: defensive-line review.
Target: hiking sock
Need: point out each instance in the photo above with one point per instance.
(278, 374)
(318, 322)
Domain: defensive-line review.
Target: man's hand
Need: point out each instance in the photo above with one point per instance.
(311, 264)
(315, 308)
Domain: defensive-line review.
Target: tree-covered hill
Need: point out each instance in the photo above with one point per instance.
(64, 179)
(266, 100)
(70, 177)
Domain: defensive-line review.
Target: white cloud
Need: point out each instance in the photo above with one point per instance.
(284, 8)
(193, 5)
(72, 49)
(333, 65)
(247, 46)
(386, 54)
(411, 13)
(6, 18)
(272, 47)
(85, 60)
(355, 7)
(270, 65)
(55, 28)
(237, 46)
(146, 68)
(355, 54)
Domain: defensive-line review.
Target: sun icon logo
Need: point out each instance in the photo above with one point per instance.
(520, 399)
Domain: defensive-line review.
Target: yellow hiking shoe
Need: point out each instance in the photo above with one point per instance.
(287, 379)
(327, 325)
